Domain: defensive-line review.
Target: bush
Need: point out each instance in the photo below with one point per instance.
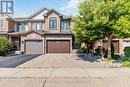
(127, 51)
(83, 50)
(98, 51)
(116, 57)
(5, 46)
(126, 63)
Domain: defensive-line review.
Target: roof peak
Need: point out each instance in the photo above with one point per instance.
(53, 10)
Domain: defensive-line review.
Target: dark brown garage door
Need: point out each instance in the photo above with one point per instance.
(34, 47)
(55, 46)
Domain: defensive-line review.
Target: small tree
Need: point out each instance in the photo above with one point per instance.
(5, 45)
(103, 19)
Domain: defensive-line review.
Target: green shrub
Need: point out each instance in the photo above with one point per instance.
(98, 51)
(116, 57)
(127, 51)
(83, 50)
(5, 45)
(126, 64)
(124, 58)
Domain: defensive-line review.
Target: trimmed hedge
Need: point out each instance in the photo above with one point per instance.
(115, 56)
(127, 51)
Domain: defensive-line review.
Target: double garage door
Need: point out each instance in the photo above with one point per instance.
(52, 46)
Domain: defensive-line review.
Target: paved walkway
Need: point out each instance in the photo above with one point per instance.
(63, 71)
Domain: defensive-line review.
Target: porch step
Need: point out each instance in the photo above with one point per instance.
(17, 52)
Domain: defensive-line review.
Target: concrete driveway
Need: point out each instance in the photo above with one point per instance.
(63, 70)
(14, 61)
(60, 61)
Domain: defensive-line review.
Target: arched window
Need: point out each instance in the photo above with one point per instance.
(53, 23)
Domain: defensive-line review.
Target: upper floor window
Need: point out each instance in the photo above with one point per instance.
(34, 25)
(65, 25)
(1, 23)
(53, 23)
(37, 26)
(21, 27)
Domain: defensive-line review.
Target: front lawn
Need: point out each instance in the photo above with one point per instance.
(125, 61)
(109, 60)
(126, 64)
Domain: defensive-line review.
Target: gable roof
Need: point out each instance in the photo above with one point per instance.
(53, 10)
(39, 11)
(34, 31)
(6, 16)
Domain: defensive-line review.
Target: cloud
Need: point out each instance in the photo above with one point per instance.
(71, 8)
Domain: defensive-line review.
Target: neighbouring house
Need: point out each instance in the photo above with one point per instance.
(119, 45)
(46, 31)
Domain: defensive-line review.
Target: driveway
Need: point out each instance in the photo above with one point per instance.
(61, 61)
(14, 61)
(64, 70)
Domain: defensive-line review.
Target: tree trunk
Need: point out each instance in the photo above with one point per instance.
(109, 46)
(93, 45)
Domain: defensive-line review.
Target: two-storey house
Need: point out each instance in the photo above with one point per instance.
(46, 31)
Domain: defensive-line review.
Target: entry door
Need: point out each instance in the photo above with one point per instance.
(58, 46)
(34, 47)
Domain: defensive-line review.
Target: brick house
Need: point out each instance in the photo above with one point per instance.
(46, 31)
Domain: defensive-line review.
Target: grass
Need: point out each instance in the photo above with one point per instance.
(109, 60)
(126, 63)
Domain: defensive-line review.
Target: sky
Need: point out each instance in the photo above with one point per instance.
(24, 8)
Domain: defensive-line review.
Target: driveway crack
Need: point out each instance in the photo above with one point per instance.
(44, 82)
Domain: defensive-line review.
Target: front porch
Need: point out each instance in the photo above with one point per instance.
(16, 42)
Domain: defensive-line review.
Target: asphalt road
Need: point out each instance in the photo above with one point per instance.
(14, 61)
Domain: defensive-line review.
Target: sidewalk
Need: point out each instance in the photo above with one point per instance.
(64, 77)
(65, 72)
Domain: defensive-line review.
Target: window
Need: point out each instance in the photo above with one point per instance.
(34, 25)
(65, 25)
(37, 26)
(21, 27)
(1, 23)
(53, 23)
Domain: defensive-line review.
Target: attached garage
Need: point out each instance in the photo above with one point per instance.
(58, 46)
(34, 47)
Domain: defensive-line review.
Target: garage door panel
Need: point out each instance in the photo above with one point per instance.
(58, 46)
(34, 47)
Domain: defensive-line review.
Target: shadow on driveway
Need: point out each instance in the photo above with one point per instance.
(87, 58)
(14, 61)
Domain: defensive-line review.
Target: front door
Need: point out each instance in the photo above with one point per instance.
(16, 43)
